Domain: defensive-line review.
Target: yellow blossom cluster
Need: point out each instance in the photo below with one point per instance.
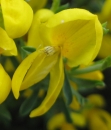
(72, 34)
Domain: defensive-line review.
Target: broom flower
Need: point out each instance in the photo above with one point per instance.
(74, 34)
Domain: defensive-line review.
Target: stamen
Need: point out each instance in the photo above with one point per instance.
(49, 50)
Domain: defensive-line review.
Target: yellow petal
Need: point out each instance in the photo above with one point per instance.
(37, 4)
(5, 84)
(55, 86)
(68, 126)
(105, 13)
(34, 38)
(21, 72)
(105, 49)
(96, 100)
(75, 105)
(7, 45)
(79, 119)
(105, 115)
(77, 32)
(39, 69)
(95, 75)
(56, 121)
(100, 119)
(33, 69)
(96, 123)
(9, 66)
(17, 15)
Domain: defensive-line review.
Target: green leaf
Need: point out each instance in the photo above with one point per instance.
(26, 50)
(55, 5)
(99, 65)
(28, 104)
(67, 91)
(63, 7)
(105, 30)
(79, 98)
(85, 83)
(4, 113)
(65, 110)
(104, 25)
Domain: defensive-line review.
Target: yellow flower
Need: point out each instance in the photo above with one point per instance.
(7, 47)
(5, 84)
(105, 15)
(95, 75)
(105, 49)
(17, 15)
(99, 119)
(75, 34)
(59, 121)
(95, 116)
(16, 24)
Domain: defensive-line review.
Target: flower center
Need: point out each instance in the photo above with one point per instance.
(49, 50)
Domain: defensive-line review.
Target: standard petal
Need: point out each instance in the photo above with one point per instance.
(55, 86)
(77, 32)
(34, 38)
(57, 36)
(5, 84)
(17, 15)
(7, 45)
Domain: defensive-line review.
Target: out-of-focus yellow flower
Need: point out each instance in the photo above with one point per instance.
(75, 34)
(75, 105)
(97, 100)
(67, 126)
(95, 75)
(59, 121)
(37, 4)
(28, 93)
(9, 67)
(105, 49)
(95, 117)
(17, 15)
(99, 119)
(5, 84)
(105, 16)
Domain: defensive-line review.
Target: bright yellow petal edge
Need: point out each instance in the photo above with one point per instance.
(5, 84)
